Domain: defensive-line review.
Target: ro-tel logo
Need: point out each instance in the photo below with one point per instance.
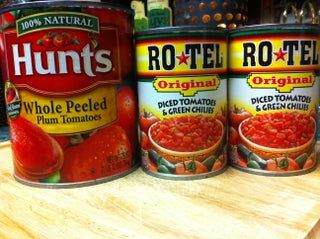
(183, 57)
(275, 53)
(187, 85)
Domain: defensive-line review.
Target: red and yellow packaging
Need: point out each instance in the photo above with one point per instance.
(273, 98)
(182, 89)
(70, 93)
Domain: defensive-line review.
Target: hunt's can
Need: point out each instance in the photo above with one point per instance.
(70, 93)
(273, 98)
(182, 91)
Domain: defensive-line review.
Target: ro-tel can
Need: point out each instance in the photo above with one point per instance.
(273, 98)
(70, 94)
(182, 91)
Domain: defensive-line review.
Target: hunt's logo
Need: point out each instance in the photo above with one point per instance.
(283, 82)
(181, 58)
(290, 52)
(67, 47)
(186, 85)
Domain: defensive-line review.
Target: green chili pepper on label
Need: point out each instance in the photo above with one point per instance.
(253, 164)
(163, 169)
(159, 160)
(301, 159)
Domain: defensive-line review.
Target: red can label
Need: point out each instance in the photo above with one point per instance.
(70, 100)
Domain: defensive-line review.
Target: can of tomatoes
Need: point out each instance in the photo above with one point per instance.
(70, 91)
(182, 91)
(273, 98)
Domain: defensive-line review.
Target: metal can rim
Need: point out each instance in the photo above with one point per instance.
(180, 29)
(18, 5)
(271, 27)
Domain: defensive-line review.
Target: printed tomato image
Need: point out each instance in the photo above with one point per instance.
(58, 39)
(127, 113)
(11, 93)
(146, 120)
(36, 154)
(219, 163)
(190, 167)
(144, 141)
(62, 140)
(234, 137)
(279, 130)
(282, 164)
(237, 115)
(309, 162)
(105, 153)
(187, 133)
(8, 19)
(222, 116)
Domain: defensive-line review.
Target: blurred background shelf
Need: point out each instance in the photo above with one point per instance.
(4, 133)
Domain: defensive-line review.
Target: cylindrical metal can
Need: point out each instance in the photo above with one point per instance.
(273, 98)
(3, 117)
(182, 91)
(70, 91)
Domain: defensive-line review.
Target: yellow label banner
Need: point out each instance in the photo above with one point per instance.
(187, 85)
(283, 82)
(71, 115)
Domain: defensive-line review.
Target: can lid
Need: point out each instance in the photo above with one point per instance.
(275, 28)
(181, 29)
(9, 5)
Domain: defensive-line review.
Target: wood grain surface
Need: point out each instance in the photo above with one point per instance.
(232, 205)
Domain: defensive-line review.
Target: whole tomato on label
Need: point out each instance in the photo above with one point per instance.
(237, 115)
(46, 40)
(282, 164)
(190, 167)
(68, 39)
(127, 112)
(59, 40)
(146, 120)
(144, 141)
(222, 116)
(105, 153)
(10, 95)
(36, 154)
(62, 140)
(309, 163)
(8, 19)
(218, 163)
(234, 137)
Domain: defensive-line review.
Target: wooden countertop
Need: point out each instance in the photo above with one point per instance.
(232, 205)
